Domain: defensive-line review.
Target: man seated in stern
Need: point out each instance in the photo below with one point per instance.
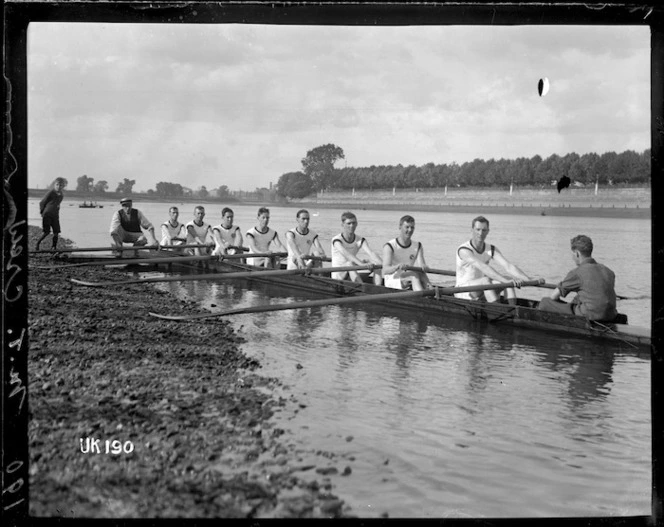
(302, 241)
(199, 232)
(403, 252)
(345, 248)
(474, 266)
(126, 227)
(592, 282)
(263, 239)
(227, 237)
(173, 231)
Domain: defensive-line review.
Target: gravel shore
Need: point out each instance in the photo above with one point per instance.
(189, 416)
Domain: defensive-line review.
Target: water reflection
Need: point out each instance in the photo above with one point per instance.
(466, 411)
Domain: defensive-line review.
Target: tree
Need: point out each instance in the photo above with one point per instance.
(202, 192)
(126, 186)
(295, 185)
(223, 192)
(319, 165)
(168, 190)
(101, 186)
(84, 184)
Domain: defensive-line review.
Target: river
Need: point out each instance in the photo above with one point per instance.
(450, 418)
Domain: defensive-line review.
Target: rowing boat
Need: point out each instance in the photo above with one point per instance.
(524, 314)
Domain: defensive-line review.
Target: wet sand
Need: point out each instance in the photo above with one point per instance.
(190, 414)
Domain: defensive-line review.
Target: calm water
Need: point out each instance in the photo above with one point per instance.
(452, 418)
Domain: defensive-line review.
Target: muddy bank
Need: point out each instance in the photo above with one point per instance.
(131, 416)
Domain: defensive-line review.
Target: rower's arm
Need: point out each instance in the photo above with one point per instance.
(218, 240)
(293, 251)
(509, 266)
(555, 295)
(277, 242)
(419, 261)
(238, 239)
(388, 268)
(165, 235)
(319, 248)
(251, 242)
(348, 256)
(374, 257)
(290, 242)
(467, 256)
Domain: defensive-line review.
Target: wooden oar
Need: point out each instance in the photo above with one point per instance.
(432, 271)
(160, 259)
(132, 261)
(117, 249)
(350, 300)
(223, 276)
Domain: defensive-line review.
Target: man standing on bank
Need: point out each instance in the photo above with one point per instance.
(474, 260)
(126, 227)
(345, 248)
(399, 254)
(302, 241)
(49, 208)
(592, 282)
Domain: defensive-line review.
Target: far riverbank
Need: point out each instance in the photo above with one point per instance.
(609, 202)
(483, 208)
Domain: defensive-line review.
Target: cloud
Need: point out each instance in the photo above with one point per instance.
(241, 104)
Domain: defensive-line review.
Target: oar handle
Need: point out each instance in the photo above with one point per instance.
(429, 270)
(554, 286)
(118, 249)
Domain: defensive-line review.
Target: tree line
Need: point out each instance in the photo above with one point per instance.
(318, 172)
(86, 184)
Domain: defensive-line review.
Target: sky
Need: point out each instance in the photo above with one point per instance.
(241, 104)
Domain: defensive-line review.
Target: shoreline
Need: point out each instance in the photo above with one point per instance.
(183, 396)
(584, 212)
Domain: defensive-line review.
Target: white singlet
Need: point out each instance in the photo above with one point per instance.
(262, 240)
(303, 242)
(401, 255)
(466, 273)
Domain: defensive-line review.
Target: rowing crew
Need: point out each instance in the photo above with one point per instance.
(592, 282)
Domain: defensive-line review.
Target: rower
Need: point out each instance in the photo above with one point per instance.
(126, 225)
(346, 246)
(173, 232)
(227, 237)
(199, 232)
(263, 239)
(302, 241)
(474, 266)
(403, 252)
(592, 282)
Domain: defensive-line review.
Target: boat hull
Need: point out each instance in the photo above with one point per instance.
(524, 314)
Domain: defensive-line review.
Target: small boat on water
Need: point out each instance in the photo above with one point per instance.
(525, 314)
(90, 205)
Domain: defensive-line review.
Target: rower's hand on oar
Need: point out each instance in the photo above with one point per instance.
(517, 282)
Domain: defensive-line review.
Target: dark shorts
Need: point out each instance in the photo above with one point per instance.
(49, 221)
